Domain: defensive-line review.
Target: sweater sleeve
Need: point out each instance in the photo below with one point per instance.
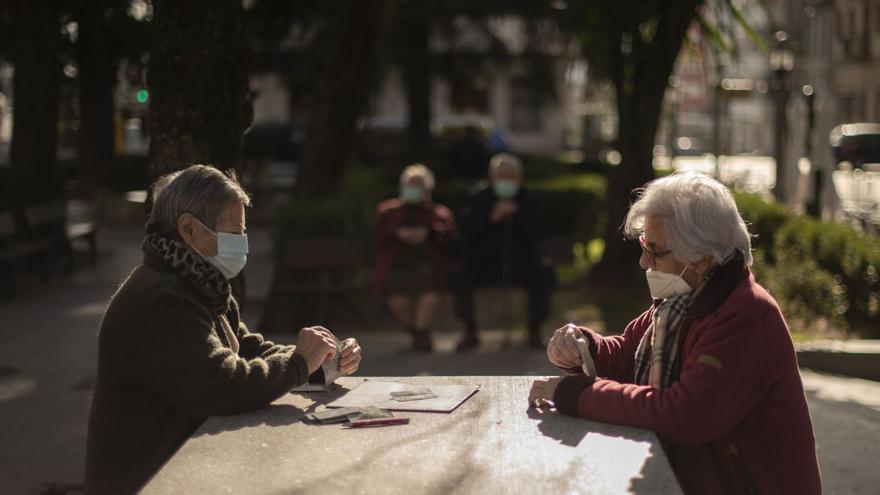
(614, 356)
(723, 376)
(252, 345)
(185, 362)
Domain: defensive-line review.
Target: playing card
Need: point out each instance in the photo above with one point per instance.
(333, 415)
(331, 366)
(586, 358)
(372, 412)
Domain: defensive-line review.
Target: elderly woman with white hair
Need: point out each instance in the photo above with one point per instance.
(416, 238)
(710, 366)
(172, 348)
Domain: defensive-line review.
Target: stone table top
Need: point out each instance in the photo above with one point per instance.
(492, 443)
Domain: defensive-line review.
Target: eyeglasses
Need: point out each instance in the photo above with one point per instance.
(652, 255)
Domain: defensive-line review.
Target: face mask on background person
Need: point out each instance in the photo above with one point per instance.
(663, 285)
(505, 188)
(412, 194)
(231, 255)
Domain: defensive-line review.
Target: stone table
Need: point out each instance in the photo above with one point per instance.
(492, 443)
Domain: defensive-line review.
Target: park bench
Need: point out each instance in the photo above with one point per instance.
(335, 266)
(30, 235)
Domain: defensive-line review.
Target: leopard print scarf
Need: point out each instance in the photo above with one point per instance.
(190, 265)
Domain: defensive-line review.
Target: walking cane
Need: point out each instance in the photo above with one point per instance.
(507, 278)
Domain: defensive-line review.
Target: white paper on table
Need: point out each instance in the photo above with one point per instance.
(378, 393)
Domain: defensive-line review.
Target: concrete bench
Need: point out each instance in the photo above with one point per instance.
(30, 235)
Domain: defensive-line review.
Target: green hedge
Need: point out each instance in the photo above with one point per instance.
(816, 269)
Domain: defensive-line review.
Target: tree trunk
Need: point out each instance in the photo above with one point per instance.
(640, 99)
(417, 76)
(198, 83)
(347, 67)
(32, 154)
(345, 55)
(97, 71)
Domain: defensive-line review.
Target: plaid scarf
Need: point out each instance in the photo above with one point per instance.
(657, 353)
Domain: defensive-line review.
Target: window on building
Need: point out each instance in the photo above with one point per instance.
(877, 17)
(851, 108)
(876, 106)
(525, 106)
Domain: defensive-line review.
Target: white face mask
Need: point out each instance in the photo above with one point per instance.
(231, 255)
(663, 285)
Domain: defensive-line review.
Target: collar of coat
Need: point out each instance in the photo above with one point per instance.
(170, 254)
(719, 287)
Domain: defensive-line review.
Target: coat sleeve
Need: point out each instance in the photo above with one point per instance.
(252, 345)
(723, 376)
(614, 355)
(185, 362)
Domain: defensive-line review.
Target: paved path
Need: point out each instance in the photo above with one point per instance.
(47, 361)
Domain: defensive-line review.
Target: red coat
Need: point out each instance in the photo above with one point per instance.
(393, 214)
(737, 414)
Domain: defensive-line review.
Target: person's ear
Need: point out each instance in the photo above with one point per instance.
(185, 228)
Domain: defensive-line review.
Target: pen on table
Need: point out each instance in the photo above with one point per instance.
(359, 423)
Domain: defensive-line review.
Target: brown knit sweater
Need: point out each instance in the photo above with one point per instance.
(164, 366)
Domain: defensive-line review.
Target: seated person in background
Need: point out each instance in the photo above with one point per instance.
(501, 228)
(416, 238)
(710, 366)
(172, 349)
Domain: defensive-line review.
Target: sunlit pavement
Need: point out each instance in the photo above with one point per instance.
(48, 346)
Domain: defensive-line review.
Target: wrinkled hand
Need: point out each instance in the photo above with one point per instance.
(316, 345)
(349, 356)
(562, 350)
(412, 235)
(503, 209)
(542, 391)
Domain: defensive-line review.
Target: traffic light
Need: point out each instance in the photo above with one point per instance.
(142, 96)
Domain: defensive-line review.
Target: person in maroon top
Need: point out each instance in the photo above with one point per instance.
(416, 240)
(710, 366)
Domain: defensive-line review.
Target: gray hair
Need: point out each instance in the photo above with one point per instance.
(504, 160)
(420, 171)
(699, 216)
(200, 190)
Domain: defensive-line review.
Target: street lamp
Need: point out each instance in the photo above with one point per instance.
(781, 63)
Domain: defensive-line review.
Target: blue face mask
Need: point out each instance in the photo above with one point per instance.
(231, 255)
(505, 188)
(412, 194)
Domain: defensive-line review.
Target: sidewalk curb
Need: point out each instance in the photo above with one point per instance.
(856, 358)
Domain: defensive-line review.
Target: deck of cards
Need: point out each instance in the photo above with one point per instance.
(355, 417)
(330, 370)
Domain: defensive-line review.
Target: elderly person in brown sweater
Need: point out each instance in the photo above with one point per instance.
(172, 347)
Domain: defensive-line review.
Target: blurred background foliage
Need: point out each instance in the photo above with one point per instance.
(819, 272)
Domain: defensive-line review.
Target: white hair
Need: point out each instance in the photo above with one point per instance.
(699, 215)
(504, 160)
(420, 171)
(199, 190)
